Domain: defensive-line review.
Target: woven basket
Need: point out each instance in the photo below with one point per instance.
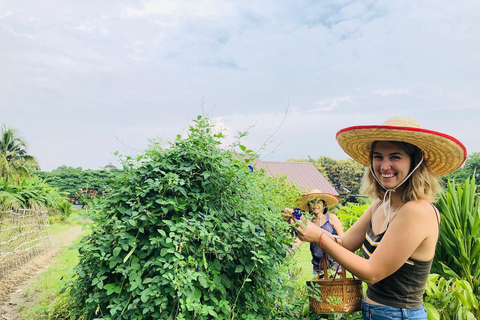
(334, 295)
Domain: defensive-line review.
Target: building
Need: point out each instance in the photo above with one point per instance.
(305, 174)
(109, 166)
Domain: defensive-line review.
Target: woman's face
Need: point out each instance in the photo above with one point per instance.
(390, 163)
(317, 206)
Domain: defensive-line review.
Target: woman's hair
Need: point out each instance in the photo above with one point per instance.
(422, 184)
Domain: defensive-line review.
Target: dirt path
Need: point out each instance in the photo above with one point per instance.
(12, 287)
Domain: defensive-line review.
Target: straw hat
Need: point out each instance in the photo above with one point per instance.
(329, 199)
(442, 153)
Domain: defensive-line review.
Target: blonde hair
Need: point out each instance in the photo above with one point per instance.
(422, 184)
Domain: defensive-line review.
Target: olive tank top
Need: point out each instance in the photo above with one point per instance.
(405, 287)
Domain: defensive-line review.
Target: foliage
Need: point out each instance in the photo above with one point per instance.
(450, 299)
(64, 208)
(28, 193)
(14, 159)
(350, 213)
(74, 181)
(189, 231)
(470, 168)
(458, 251)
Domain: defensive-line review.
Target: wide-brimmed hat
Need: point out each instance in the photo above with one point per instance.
(329, 199)
(442, 153)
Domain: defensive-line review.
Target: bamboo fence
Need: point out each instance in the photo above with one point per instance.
(23, 235)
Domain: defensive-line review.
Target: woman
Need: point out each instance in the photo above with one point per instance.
(317, 203)
(398, 233)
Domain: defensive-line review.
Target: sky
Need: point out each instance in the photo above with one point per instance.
(81, 80)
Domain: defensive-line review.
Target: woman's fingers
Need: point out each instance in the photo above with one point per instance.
(287, 214)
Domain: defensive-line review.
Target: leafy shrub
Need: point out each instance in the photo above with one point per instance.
(449, 299)
(458, 251)
(29, 193)
(64, 208)
(191, 231)
(350, 213)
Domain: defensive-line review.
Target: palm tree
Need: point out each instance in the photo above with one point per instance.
(14, 159)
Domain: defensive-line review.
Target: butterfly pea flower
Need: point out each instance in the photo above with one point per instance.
(250, 168)
(197, 268)
(297, 213)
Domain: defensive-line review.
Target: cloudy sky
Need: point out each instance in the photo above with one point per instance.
(83, 79)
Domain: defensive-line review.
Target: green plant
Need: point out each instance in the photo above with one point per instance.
(189, 231)
(449, 299)
(458, 250)
(30, 192)
(350, 213)
(64, 208)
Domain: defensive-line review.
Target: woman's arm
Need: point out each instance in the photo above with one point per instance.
(337, 224)
(404, 237)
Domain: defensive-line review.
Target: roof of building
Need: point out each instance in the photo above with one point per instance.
(305, 174)
(110, 166)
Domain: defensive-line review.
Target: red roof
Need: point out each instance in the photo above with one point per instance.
(305, 174)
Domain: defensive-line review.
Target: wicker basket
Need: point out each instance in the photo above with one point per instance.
(334, 295)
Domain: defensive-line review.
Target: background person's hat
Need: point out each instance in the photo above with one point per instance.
(442, 153)
(329, 199)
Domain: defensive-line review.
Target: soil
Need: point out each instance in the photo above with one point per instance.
(13, 287)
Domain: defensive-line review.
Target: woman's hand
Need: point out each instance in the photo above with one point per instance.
(308, 231)
(287, 214)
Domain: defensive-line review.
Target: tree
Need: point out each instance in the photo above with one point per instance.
(14, 159)
(469, 169)
(75, 181)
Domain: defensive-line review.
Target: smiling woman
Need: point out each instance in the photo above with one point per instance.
(398, 233)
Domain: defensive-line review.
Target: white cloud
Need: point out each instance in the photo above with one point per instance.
(332, 104)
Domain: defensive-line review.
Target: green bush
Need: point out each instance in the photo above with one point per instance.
(350, 213)
(458, 250)
(189, 231)
(449, 299)
(29, 193)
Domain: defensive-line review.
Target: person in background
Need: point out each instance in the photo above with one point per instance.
(317, 204)
(399, 231)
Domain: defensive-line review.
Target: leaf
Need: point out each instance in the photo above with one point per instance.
(239, 268)
(203, 282)
(116, 251)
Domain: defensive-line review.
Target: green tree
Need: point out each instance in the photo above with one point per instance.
(14, 159)
(74, 181)
(470, 168)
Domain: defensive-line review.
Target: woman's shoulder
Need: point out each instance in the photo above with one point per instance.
(420, 204)
(417, 208)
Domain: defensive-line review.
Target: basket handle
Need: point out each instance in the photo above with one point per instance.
(323, 261)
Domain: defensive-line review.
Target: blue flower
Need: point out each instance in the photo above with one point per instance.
(197, 268)
(250, 168)
(297, 213)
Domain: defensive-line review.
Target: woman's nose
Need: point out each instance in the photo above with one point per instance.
(385, 165)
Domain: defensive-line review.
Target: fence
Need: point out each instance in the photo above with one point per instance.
(23, 235)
